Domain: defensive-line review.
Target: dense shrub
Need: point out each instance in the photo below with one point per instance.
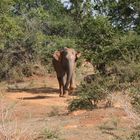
(125, 47)
(80, 104)
(30, 32)
(89, 94)
(15, 63)
(121, 76)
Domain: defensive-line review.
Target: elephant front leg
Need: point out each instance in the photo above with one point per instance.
(61, 85)
(72, 82)
(60, 90)
(65, 89)
(66, 85)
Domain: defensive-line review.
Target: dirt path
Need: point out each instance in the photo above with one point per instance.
(40, 91)
(37, 106)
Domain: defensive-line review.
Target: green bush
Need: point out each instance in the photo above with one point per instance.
(122, 75)
(80, 104)
(128, 72)
(89, 94)
(49, 134)
(123, 48)
(15, 63)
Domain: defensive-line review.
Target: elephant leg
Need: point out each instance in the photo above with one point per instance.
(63, 85)
(66, 87)
(72, 82)
(60, 86)
(72, 85)
(61, 81)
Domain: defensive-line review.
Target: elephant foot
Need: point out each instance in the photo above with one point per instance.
(60, 95)
(66, 93)
(63, 96)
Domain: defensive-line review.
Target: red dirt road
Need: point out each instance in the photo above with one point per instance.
(37, 106)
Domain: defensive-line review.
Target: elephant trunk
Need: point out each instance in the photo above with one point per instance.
(70, 68)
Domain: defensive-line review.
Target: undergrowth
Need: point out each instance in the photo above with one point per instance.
(120, 77)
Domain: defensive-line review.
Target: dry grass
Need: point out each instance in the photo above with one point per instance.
(123, 100)
(10, 128)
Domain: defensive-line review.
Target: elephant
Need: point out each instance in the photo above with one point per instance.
(64, 63)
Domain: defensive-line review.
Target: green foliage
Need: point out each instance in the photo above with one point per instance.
(124, 48)
(95, 36)
(122, 75)
(49, 134)
(35, 28)
(90, 93)
(14, 62)
(80, 104)
(98, 31)
(94, 91)
(123, 14)
(128, 72)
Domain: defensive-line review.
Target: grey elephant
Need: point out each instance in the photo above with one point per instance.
(64, 62)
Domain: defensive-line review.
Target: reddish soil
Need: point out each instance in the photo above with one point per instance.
(37, 106)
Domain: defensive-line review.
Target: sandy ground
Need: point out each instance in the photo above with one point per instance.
(34, 106)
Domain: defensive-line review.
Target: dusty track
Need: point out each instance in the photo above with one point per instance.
(38, 106)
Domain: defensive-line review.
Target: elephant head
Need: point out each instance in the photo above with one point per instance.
(64, 62)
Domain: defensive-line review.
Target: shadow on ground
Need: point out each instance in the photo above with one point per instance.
(34, 98)
(47, 90)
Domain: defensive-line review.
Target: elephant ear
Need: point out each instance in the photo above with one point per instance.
(57, 55)
(78, 54)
